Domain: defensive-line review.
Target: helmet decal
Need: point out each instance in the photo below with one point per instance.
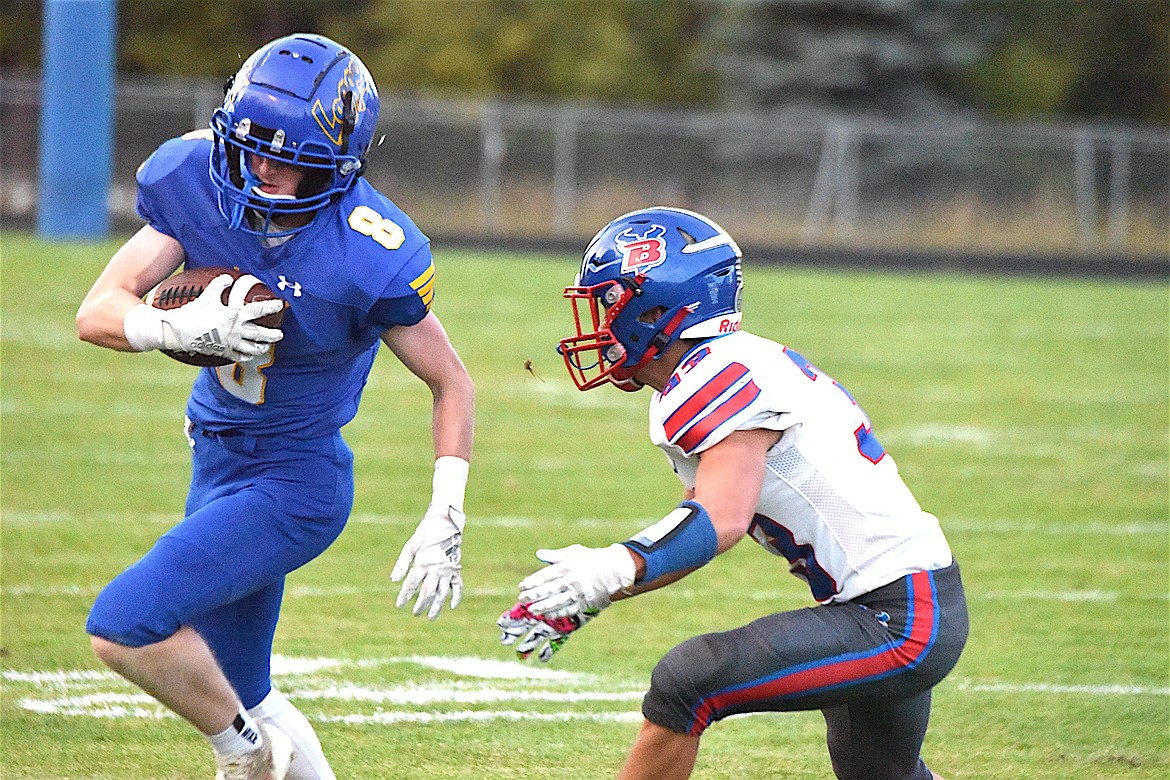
(349, 100)
(641, 250)
(236, 84)
(648, 279)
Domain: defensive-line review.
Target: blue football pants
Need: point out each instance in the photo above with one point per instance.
(258, 508)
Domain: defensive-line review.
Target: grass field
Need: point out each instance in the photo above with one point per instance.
(1030, 415)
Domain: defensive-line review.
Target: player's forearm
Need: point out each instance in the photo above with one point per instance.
(453, 418)
(143, 261)
(101, 318)
(453, 423)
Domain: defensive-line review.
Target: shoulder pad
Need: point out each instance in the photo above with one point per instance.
(173, 154)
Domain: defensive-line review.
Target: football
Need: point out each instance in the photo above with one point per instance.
(186, 286)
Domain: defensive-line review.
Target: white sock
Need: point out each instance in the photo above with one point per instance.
(309, 762)
(240, 738)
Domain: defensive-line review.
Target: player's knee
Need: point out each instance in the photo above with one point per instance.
(680, 682)
(128, 614)
(109, 653)
(108, 633)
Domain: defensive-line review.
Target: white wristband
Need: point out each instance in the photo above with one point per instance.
(143, 327)
(450, 482)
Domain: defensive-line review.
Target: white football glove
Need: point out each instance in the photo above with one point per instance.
(537, 633)
(205, 325)
(578, 580)
(432, 556)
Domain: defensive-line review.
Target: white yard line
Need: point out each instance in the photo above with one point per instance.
(1046, 595)
(513, 684)
(483, 668)
(1055, 689)
(418, 695)
(58, 678)
(385, 718)
(1097, 528)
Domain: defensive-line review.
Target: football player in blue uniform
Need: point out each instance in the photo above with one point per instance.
(275, 189)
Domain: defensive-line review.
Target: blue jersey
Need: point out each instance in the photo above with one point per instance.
(360, 268)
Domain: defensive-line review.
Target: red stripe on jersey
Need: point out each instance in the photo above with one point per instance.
(719, 415)
(839, 671)
(693, 406)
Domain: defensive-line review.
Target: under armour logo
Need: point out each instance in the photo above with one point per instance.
(285, 284)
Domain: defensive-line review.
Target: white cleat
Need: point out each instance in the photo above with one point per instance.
(270, 762)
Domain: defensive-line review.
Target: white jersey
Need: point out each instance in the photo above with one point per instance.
(832, 503)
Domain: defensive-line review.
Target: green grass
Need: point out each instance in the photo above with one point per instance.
(1030, 415)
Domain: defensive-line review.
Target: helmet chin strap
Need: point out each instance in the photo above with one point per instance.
(252, 183)
(658, 342)
(629, 385)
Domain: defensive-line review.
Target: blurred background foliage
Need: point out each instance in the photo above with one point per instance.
(1008, 59)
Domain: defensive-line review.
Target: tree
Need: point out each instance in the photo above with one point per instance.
(625, 51)
(1080, 60)
(618, 50)
(895, 58)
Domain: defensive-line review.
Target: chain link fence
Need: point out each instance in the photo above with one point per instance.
(556, 172)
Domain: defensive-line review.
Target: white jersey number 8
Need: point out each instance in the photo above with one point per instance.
(246, 380)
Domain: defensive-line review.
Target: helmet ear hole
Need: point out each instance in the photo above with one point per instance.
(651, 316)
(315, 181)
(349, 120)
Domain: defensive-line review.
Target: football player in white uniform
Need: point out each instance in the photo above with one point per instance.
(766, 446)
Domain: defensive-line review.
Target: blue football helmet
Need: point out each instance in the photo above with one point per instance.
(304, 100)
(649, 278)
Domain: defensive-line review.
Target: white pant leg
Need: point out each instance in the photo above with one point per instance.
(310, 762)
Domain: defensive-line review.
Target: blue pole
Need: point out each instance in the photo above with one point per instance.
(77, 118)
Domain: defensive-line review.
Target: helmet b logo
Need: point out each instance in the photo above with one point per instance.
(642, 251)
